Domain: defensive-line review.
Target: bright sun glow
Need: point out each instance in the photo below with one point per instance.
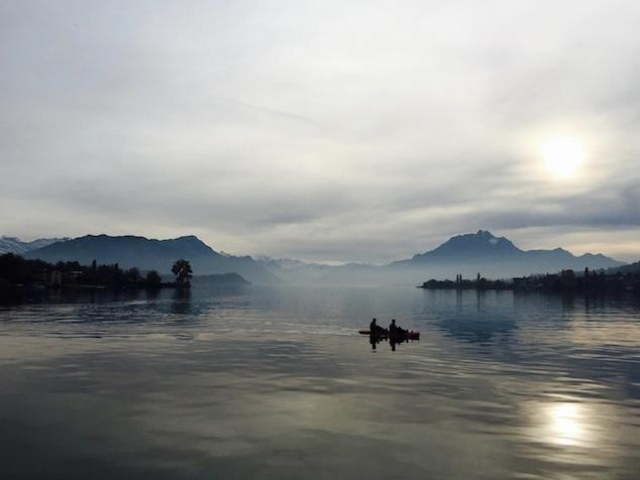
(566, 424)
(562, 155)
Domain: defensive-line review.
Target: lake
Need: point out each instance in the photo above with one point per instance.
(276, 383)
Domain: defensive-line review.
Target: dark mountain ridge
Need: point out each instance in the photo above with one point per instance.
(470, 254)
(152, 254)
(483, 247)
(471, 245)
(624, 269)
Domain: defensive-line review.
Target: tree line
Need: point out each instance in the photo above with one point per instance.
(17, 271)
(565, 281)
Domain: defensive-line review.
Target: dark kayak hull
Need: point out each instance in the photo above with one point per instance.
(411, 335)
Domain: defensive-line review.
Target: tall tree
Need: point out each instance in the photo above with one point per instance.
(182, 270)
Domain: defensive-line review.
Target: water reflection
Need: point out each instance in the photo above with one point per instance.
(479, 330)
(576, 434)
(181, 301)
(568, 302)
(250, 384)
(566, 424)
(374, 340)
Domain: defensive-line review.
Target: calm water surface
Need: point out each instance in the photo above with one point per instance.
(261, 383)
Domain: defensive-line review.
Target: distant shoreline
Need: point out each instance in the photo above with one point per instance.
(596, 283)
(22, 278)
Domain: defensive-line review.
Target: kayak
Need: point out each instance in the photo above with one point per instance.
(406, 335)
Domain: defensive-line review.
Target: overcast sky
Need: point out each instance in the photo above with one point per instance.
(327, 130)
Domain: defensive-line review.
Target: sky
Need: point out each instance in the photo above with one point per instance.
(325, 131)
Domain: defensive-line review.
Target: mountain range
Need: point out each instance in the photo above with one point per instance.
(150, 254)
(483, 248)
(468, 254)
(294, 271)
(14, 245)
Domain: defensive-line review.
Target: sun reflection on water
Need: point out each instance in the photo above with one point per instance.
(566, 424)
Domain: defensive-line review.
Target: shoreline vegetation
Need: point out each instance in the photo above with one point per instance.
(19, 275)
(566, 281)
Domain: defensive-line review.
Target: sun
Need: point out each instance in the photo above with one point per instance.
(562, 155)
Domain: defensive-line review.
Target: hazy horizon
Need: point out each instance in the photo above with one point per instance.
(332, 262)
(365, 132)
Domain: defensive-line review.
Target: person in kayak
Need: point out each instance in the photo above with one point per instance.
(393, 328)
(374, 328)
(396, 330)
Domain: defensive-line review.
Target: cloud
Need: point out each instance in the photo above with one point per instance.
(368, 132)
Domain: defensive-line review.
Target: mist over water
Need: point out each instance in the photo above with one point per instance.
(273, 383)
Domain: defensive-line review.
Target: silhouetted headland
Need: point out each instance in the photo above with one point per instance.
(21, 277)
(588, 282)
